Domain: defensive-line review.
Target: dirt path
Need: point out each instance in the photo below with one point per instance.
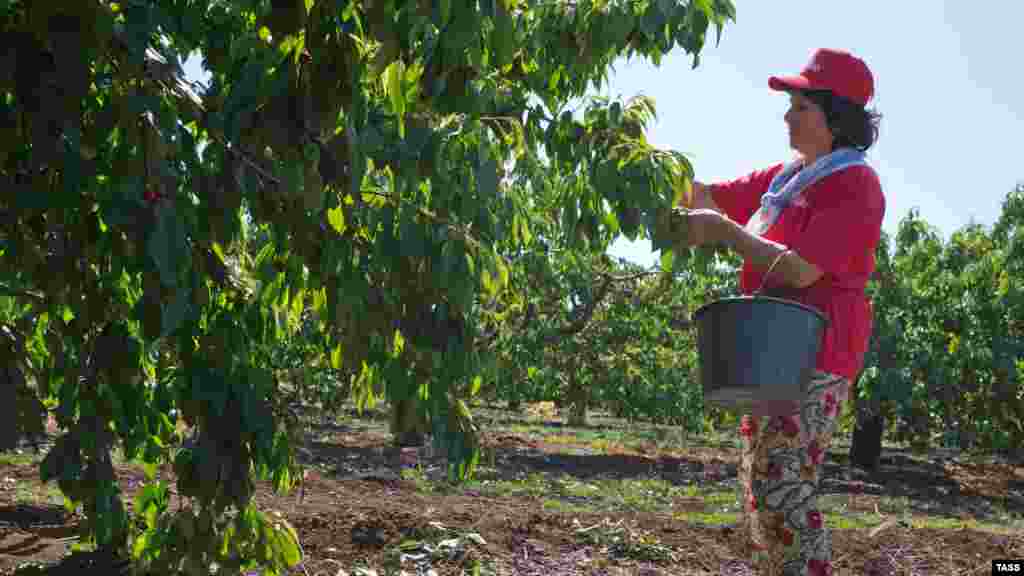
(353, 523)
(356, 511)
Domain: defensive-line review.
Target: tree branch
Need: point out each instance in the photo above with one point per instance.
(629, 277)
(582, 322)
(6, 290)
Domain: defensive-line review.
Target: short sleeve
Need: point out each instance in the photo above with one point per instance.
(740, 198)
(844, 225)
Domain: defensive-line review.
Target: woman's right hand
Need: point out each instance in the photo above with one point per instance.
(700, 198)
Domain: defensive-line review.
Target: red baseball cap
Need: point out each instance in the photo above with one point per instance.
(836, 70)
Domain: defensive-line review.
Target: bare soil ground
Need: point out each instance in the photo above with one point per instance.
(364, 506)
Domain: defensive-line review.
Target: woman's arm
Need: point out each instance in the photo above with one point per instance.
(702, 198)
(738, 199)
(791, 269)
(843, 231)
(705, 226)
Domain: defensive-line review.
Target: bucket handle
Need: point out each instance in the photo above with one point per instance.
(764, 279)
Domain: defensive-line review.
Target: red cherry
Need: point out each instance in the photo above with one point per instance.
(814, 520)
(154, 196)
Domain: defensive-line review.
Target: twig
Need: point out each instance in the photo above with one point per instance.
(6, 290)
(245, 158)
(629, 277)
(589, 528)
(341, 567)
(302, 553)
(583, 320)
(887, 524)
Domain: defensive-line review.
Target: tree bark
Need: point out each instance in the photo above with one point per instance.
(577, 399)
(407, 426)
(866, 448)
(8, 411)
(10, 380)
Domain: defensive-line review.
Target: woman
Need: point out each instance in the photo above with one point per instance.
(818, 219)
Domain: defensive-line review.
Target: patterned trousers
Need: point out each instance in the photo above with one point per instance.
(779, 475)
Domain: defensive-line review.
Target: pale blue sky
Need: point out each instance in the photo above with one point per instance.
(948, 82)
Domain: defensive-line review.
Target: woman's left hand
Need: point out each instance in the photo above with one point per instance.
(706, 227)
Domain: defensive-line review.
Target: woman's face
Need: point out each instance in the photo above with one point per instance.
(808, 130)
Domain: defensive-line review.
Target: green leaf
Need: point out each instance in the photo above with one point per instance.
(163, 247)
(319, 300)
(487, 178)
(399, 343)
(140, 545)
(149, 469)
(288, 541)
(174, 314)
(488, 283)
(503, 273)
(413, 244)
(446, 11)
(336, 357)
(293, 45)
(524, 231)
(282, 480)
(297, 303)
(265, 253)
(151, 500)
(336, 218)
(294, 177)
(503, 37)
(667, 258)
(569, 216)
(392, 78)
(216, 247)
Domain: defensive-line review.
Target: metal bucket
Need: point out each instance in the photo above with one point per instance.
(757, 349)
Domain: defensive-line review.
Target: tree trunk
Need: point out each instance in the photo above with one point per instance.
(948, 417)
(920, 440)
(8, 411)
(9, 382)
(513, 382)
(866, 448)
(577, 399)
(408, 427)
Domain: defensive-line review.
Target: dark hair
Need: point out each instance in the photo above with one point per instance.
(852, 125)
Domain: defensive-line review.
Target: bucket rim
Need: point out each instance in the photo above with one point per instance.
(751, 298)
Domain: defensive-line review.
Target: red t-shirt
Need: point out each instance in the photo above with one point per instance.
(834, 224)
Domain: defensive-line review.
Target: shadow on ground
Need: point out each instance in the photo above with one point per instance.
(30, 515)
(933, 487)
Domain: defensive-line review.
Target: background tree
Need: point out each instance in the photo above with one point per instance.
(945, 359)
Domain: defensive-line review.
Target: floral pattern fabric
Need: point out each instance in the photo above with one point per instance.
(779, 475)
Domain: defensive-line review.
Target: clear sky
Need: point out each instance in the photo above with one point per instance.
(948, 80)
